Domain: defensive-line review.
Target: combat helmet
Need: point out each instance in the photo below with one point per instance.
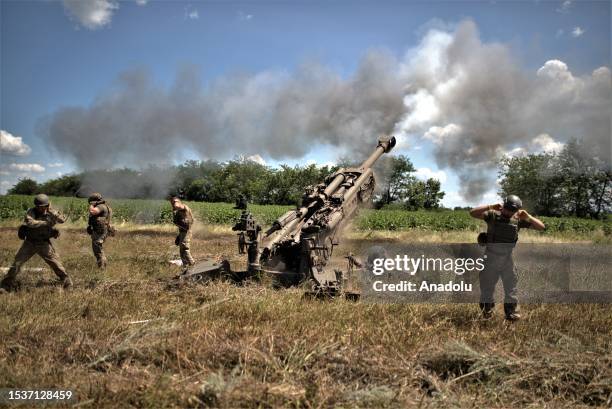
(94, 197)
(513, 203)
(41, 200)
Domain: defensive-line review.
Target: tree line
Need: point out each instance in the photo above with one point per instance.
(573, 182)
(212, 181)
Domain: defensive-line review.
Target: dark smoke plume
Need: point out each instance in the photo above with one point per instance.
(275, 114)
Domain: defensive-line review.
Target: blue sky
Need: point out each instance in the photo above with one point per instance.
(54, 56)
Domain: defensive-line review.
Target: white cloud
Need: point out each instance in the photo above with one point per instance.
(142, 2)
(577, 32)
(422, 110)
(91, 14)
(13, 145)
(427, 173)
(55, 165)
(555, 69)
(545, 143)
(26, 167)
(440, 135)
(557, 77)
(257, 159)
(565, 7)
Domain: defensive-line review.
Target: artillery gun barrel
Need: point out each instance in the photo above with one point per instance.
(385, 144)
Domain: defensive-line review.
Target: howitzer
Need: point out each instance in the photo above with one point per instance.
(299, 244)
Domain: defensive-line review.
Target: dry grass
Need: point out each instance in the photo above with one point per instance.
(123, 338)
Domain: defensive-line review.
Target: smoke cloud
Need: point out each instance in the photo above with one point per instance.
(474, 103)
(270, 113)
(471, 99)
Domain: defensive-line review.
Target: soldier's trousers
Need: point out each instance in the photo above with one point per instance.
(45, 250)
(97, 242)
(184, 243)
(497, 266)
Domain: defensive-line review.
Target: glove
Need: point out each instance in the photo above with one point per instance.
(177, 241)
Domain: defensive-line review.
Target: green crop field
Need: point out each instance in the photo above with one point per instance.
(12, 207)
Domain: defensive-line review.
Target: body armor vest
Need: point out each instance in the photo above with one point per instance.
(183, 218)
(502, 230)
(39, 234)
(100, 222)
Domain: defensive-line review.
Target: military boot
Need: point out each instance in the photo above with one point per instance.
(487, 310)
(9, 283)
(511, 313)
(66, 282)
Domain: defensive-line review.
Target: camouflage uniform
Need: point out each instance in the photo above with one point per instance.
(502, 235)
(183, 218)
(39, 231)
(98, 228)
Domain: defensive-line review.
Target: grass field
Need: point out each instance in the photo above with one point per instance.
(128, 338)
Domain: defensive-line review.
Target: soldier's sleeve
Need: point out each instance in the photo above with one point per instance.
(524, 224)
(56, 216)
(488, 216)
(31, 221)
(101, 210)
(189, 216)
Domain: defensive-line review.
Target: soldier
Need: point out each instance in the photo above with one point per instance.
(99, 226)
(241, 202)
(36, 232)
(503, 224)
(183, 219)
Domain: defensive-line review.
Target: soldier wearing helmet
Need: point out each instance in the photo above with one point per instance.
(99, 226)
(37, 230)
(503, 224)
(183, 219)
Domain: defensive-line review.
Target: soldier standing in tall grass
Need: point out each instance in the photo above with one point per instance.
(503, 224)
(183, 219)
(37, 230)
(99, 226)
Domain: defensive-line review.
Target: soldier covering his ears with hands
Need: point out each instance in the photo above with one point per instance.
(503, 224)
